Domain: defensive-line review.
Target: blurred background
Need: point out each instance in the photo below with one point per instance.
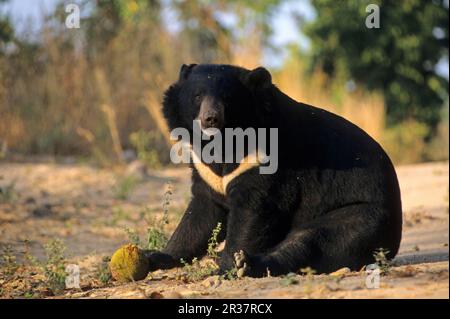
(84, 149)
(94, 93)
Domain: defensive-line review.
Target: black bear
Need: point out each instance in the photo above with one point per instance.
(332, 202)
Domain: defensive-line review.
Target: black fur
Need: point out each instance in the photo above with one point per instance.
(333, 201)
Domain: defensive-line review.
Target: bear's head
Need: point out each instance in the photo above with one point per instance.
(219, 96)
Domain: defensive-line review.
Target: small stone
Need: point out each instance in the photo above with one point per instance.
(212, 281)
(172, 295)
(332, 286)
(156, 295)
(340, 272)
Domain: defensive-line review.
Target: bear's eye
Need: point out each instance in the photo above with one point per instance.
(197, 97)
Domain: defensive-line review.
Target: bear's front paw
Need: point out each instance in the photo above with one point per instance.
(159, 260)
(241, 261)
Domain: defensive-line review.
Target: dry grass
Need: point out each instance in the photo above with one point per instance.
(364, 109)
(61, 100)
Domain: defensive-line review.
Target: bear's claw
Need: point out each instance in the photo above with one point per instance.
(241, 261)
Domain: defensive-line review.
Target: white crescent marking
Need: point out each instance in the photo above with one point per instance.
(220, 183)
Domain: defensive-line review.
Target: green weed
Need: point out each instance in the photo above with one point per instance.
(195, 271)
(54, 268)
(133, 236)
(103, 274)
(124, 186)
(156, 237)
(9, 261)
(381, 260)
(8, 193)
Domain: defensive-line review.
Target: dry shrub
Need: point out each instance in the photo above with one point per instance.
(59, 99)
(62, 98)
(364, 109)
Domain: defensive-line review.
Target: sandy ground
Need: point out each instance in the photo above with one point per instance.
(89, 209)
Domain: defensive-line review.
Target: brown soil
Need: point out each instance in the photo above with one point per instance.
(82, 206)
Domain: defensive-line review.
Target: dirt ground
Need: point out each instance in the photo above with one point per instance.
(89, 209)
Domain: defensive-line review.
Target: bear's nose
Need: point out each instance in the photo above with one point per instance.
(210, 119)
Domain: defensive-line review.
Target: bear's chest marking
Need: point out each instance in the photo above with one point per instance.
(220, 183)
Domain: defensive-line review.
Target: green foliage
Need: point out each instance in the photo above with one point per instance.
(289, 279)
(29, 258)
(399, 58)
(167, 198)
(210, 40)
(381, 259)
(103, 272)
(124, 186)
(213, 242)
(8, 193)
(438, 148)
(145, 142)
(8, 260)
(6, 29)
(54, 268)
(196, 271)
(230, 274)
(110, 16)
(133, 236)
(404, 142)
(156, 237)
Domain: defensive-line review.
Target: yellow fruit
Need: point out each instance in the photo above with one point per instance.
(129, 263)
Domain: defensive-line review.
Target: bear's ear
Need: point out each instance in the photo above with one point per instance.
(185, 70)
(259, 78)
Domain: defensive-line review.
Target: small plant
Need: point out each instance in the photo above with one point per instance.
(8, 193)
(144, 143)
(213, 242)
(9, 262)
(195, 271)
(29, 295)
(156, 237)
(381, 260)
(231, 274)
(124, 186)
(189, 268)
(167, 198)
(133, 236)
(103, 273)
(308, 272)
(54, 268)
(289, 279)
(29, 258)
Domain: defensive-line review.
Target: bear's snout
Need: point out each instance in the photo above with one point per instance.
(211, 114)
(210, 119)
